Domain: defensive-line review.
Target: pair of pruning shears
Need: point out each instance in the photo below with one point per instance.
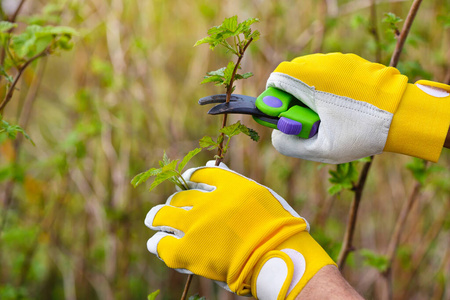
(274, 108)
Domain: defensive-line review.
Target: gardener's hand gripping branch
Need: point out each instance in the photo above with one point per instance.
(237, 232)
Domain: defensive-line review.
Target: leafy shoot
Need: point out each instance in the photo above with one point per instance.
(228, 131)
(169, 170)
(12, 130)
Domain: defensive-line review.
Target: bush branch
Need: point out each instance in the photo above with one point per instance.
(11, 89)
(229, 91)
(186, 286)
(404, 33)
(347, 245)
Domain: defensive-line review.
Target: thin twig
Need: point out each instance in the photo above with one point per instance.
(12, 19)
(395, 238)
(374, 31)
(347, 245)
(25, 115)
(424, 247)
(229, 91)
(11, 89)
(405, 30)
(186, 287)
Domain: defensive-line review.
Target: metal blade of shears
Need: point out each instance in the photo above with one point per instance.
(239, 104)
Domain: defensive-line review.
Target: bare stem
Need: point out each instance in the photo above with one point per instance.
(404, 33)
(11, 89)
(374, 31)
(395, 238)
(186, 287)
(12, 19)
(229, 91)
(224, 123)
(347, 245)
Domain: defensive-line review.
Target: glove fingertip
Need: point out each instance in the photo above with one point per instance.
(151, 215)
(152, 243)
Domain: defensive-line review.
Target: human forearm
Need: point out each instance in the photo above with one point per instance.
(328, 283)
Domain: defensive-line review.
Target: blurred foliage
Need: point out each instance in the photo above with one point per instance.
(71, 224)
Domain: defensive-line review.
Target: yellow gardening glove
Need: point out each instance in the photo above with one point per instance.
(365, 108)
(237, 232)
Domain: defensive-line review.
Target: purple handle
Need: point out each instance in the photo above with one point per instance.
(289, 126)
(314, 129)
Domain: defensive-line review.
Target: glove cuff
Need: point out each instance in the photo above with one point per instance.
(421, 122)
(282, 273)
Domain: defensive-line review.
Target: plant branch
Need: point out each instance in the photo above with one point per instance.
(12, 19)
(186, 287)
(395, 238)
(374, 31)
(11, 89)
(229, 91)
(404, 33)
(347, 245)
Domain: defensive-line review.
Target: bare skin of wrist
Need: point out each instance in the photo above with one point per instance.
(328, 283)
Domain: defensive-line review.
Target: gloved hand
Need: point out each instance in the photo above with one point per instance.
(365, 108)
(237, 232)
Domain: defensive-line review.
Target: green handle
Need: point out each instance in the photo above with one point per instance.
(295, 117)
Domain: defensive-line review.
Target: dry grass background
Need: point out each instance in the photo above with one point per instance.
(107, 110)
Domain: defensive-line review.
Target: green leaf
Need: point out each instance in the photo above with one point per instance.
(343, 177)
(5, 26)
(378, 261)
(165, 160)
(36, 39)
(236, 128)
(232, 130)
(365, 159)
(445, 20)
(169, 165)
(208, 142)
(334, 189)
(418, 168)
(196, 297)
(7, 172)
(243, 76)
(391, 18)
(163, 176)
(142, 177)
(228, 72)
(9, 78)
(219, 72)
(250, 132)
(153, 295)
(58, 30)
(187, 158)
(230, 24)
(12, 130)
(230, 27)
(205, 40)
(217, 79)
